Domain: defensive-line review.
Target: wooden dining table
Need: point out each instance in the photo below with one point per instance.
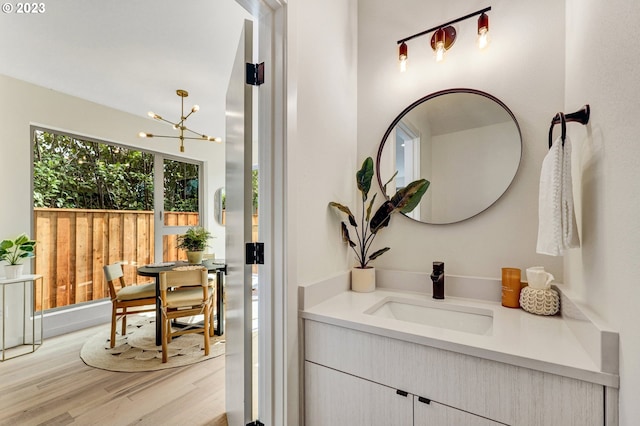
(218, 267)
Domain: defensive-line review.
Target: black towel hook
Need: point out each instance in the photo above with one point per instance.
(581, 116)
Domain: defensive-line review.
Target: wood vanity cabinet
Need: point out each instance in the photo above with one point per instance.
(436, 414)
(352, 378)
(337, 398)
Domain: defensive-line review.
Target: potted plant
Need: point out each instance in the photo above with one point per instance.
(14, 252)
(404, 200)
(194, 241)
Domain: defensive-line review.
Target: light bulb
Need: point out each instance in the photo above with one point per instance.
(483, 38)
(439, 43)
(483, 31)
(402, 57)
(195, 108)
(440, 51)
(151, 114)
(142, 135)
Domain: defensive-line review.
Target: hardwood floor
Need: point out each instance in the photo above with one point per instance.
(54, 387)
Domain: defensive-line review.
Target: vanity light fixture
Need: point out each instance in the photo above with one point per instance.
(444, 36)
(180, 125)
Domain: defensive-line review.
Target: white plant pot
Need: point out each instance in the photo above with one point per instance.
(363, 280)
(13, 271)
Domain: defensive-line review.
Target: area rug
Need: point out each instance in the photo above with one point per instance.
(137, 351)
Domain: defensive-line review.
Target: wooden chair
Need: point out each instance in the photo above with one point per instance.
(185, 293)
(127, 299)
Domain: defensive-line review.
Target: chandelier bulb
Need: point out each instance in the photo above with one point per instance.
(195, 108)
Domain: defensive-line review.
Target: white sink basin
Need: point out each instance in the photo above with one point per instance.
(436, 314)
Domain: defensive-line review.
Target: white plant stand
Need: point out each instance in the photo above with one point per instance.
(26, 288)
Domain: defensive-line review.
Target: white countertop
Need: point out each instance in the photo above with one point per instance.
(544, 343)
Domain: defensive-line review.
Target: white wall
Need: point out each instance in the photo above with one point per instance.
(604, 73)
(523, 67)
(320, 155)
(324, 165)
(23, 104)
(478, 167)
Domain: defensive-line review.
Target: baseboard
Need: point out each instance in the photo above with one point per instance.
(76, 318)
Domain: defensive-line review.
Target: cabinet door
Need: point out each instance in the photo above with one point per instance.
(435, 414)
(335, 398)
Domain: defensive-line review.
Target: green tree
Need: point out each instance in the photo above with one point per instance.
(73, 173)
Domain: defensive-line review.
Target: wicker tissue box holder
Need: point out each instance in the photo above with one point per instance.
(540, 302)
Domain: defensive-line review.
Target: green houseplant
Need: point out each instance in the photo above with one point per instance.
(194, 241)
(404, 200)
(14, 252)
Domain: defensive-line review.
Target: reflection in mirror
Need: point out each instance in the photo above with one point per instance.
(465, 142)
(218, 205)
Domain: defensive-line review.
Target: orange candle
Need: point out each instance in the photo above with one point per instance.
(511, 287)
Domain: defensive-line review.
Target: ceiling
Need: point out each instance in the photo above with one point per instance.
(131, 55)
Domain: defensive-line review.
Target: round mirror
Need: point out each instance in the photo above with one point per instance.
(467, 143)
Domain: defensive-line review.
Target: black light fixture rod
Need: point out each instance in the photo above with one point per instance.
(481, 11)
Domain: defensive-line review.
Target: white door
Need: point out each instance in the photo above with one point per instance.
(167, 225)
(238, 140)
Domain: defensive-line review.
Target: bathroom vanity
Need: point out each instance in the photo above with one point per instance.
(397, 357)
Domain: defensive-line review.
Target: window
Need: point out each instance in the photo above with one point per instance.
(95, 203)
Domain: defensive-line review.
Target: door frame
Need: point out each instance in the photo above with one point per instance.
(161, 229)
(278, 384)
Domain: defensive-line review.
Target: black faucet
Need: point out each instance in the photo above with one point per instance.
(437, 276)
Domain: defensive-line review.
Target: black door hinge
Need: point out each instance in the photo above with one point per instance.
(255, 74)
(254, 253)
(255, 423)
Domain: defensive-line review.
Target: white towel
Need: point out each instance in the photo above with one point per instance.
(557, 230)
(549, 201)
(570, 237)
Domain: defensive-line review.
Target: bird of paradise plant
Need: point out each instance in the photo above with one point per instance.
(404, 200)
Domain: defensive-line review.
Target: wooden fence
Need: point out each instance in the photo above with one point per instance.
(74, 244)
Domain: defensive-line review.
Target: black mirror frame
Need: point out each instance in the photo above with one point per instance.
(433, 95)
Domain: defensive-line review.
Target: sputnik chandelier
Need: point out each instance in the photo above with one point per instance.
(180, 125)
